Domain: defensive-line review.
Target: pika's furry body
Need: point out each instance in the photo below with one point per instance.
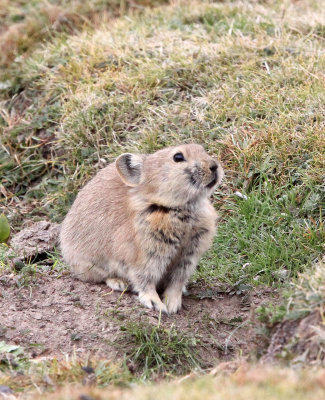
(144, 220)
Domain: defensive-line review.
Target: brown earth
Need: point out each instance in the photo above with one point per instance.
(299, 340)
(57, 314)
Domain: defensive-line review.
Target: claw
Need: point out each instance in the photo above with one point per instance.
(116, 284)
(173, 301)
(152, 301)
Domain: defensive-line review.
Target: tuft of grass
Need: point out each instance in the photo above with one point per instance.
(25, 375)
(307, 294)
(155, 350)
(270, 314)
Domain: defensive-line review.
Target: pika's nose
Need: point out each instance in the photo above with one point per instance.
(213, 167)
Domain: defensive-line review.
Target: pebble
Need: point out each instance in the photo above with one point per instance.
(5, 389)
(85, 397)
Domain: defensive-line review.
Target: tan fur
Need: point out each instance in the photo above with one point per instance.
(144, 220)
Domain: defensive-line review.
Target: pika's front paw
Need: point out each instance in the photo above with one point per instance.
(173, 301)
(152, 300)
(116, 284)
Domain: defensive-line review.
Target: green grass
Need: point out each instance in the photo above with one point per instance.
(301, 313)
(155, 351)
(268, 237)
(82, 99)
(307, 292)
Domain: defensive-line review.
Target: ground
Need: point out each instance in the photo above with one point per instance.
(61, 315)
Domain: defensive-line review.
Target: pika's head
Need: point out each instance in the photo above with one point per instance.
(173, 176)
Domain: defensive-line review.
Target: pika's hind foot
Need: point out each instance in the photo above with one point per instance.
(173, 300)
(116, 284)
(152, 300)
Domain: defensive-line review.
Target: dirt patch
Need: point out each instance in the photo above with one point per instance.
(56, 315)
(299, 341)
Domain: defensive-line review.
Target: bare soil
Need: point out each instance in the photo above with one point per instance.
(57, 314)
(299, 340)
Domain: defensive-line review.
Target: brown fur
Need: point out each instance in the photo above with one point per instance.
(144, 220)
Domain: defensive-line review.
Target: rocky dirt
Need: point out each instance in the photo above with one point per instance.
(57, 314)
(50, 313)
(299, 340)
(35, 239)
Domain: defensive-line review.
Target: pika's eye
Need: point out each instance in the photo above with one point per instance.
(178, 157)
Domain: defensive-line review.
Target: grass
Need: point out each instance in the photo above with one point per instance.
(27, 24)
(307, 292)
(25, 375)
(304, 297)
(84, 98)
(267, 237)
(75, 377)
(156, 351)
(242, 383)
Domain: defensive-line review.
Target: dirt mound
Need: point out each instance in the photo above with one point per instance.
(298, 341)
(56, 315)
(35, 240)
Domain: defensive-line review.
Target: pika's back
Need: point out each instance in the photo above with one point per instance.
(99, 213)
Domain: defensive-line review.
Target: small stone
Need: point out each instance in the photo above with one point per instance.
(131, 367)
(75, 337)
(85, 397)
(17, 264)
(5, 85)
(88, 369)
(283, 273)
(240, 195)
(5, 389)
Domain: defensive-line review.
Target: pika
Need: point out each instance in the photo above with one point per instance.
(143, 222)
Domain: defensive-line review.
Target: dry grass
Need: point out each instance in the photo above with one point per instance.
(70, 379)
(26, 24)
(243, 384)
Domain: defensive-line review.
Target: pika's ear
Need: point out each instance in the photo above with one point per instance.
(129, 167)
(220, 170)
